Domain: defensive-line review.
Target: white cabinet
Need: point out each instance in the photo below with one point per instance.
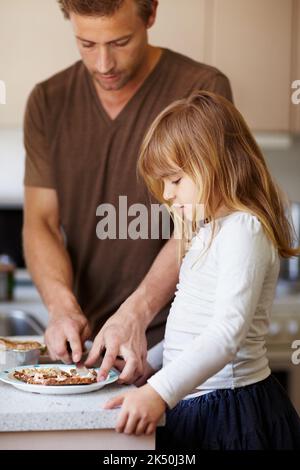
(255, 42)
(295, 109)
(180, 26)
(251, 41)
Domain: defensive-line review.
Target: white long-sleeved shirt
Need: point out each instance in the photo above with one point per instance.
(215, 332)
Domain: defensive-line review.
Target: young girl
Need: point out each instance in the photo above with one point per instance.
(215, 385)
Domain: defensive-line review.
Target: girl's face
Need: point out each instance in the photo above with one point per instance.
(183, 194)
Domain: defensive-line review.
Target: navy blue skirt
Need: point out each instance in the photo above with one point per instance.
(256, 417)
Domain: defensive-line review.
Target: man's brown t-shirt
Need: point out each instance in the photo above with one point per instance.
(74, 147)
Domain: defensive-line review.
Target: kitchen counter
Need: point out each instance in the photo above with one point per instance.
(34, 421)
(24, 411)
(37, 421)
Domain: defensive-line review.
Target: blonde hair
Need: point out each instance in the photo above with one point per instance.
(205, 136)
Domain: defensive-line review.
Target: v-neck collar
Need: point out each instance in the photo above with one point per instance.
(128, 105)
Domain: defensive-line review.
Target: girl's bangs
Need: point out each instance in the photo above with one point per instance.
(161, 158)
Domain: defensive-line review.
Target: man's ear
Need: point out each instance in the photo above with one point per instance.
(152, 17)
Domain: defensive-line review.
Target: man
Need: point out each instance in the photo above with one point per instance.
(83, 129)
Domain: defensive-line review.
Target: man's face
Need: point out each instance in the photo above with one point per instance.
(113, 48)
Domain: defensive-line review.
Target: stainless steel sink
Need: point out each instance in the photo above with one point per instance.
(19, 323)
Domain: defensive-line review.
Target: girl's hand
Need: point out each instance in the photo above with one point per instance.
(140, 412)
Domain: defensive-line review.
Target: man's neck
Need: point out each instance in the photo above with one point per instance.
(114, 101)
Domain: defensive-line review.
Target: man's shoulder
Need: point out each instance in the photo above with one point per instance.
(191, 66)
(62, 80)
(186, 75)
(49, 99)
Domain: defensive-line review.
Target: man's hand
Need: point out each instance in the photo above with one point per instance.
(67, 325)
(122, 335)
(147, 373)
(140, 412)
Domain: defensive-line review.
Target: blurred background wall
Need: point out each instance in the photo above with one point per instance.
(255, 42)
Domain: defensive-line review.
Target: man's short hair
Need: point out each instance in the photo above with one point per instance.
(102, 7)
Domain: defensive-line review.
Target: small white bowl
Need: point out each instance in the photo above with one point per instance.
(15, 357)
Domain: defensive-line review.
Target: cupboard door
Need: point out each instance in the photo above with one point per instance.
(251, 42)
(295, 106)
(180, 26)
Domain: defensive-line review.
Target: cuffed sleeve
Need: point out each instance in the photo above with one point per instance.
(38, 167)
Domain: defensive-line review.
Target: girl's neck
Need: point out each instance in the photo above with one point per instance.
(222, 211)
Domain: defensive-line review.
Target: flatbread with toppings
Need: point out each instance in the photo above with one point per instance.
(8, 344)
(54, 376)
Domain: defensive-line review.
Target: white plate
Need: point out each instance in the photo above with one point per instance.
(7, 377)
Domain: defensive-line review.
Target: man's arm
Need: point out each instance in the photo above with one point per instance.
(51, 270)
(124, 333)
